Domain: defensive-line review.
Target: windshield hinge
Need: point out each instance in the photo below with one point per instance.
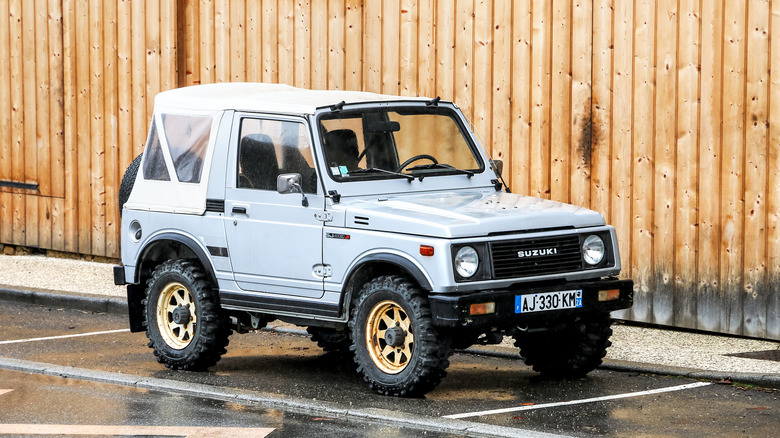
(323, 216)
(335, 196)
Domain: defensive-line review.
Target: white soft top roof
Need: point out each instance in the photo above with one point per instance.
(260, 97)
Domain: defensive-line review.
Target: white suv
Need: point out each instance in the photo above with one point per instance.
(379, 222)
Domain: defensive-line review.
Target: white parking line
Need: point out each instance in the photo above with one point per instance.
(62, 429)
(576, 402)
(5, 391)
(48, 338)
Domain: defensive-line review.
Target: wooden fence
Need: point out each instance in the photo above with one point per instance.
(664, 115)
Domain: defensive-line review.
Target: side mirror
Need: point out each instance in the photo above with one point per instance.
(498, 166)
(291, 183)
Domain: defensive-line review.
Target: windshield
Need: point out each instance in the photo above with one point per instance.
(412, 142)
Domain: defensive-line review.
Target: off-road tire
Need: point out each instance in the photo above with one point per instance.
(396, 298)
(128, 181)
(201, 342)
(570, 349)
(330, 340)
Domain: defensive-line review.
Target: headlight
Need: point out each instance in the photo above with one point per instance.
(593, 250)
(466, 261)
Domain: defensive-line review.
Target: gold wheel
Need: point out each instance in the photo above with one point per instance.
(176, 318)
(389, 337)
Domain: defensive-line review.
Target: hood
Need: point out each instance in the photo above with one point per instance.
(463, 214)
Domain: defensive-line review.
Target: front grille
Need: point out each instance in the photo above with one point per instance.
(540, 256)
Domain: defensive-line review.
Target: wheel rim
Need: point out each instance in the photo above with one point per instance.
(175, 300)
(389, 316)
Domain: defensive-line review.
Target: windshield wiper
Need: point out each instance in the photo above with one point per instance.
(442, 166)
(409, 178)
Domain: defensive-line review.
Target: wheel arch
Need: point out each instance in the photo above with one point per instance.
(376, 264)
(161, 247)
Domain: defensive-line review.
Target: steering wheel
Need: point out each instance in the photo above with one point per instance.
(416, 158)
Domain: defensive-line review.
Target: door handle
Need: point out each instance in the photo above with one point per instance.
(238, 209)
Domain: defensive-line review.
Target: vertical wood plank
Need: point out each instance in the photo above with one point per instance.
(581, 92)
(30, 142)
(139, 116)
(601, 107)
(302, 47)
(6, 150)
(372, 47)
(642, 159)
(286, 42)
(189, 47)
(84, 146)
(621, 145)
(426, 49)
(353, 50)
(97, 134)
(755, 289)
(169, 65)
(541, 59)
(445, 52)
(70, 125)
(336, 44)
(237, 27)
(111, 172)
(125, 87)
(463, 64)
(56, 119)
(773, 178)
(518, 166)
(390, 47)
(222, 32)
(153, 64)
(208, 62)
(686, 192)
(501, 114)
(560, 115)
(319, 45)
(408, 48)
(708, 248)
(270, 55)
(42, 141)
(733, 153)
(483, 58)
(665, 177)
(255, 40)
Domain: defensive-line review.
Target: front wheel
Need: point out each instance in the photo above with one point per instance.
(185, 325)
(396, 346)
(569, 349)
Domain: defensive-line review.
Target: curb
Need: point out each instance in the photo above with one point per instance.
(93, 303)
(275, 401)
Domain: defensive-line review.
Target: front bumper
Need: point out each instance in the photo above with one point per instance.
(454, 310)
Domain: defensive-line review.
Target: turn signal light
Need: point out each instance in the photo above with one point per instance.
(426, 251)
(482, 308)
(609, 295)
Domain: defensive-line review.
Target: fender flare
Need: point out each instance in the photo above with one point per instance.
(185, 240)
(396, 259)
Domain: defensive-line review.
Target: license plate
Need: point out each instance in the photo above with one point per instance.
(568, 299)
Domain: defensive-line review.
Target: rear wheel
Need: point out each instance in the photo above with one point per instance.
(330, 340)
(569, 349)
(185, 325)
(396, 346)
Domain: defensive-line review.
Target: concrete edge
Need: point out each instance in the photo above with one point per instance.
(269, 401)
(94, 303)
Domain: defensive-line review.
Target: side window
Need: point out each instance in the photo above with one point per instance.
(154, 161)
(269, 148)
(188, 138)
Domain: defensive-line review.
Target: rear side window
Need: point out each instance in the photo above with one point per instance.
(154, 160)
(188, 139)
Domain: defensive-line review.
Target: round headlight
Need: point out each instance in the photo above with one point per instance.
(466, 261)
(593, 250)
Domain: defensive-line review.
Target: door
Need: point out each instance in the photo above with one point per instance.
(274, 241)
